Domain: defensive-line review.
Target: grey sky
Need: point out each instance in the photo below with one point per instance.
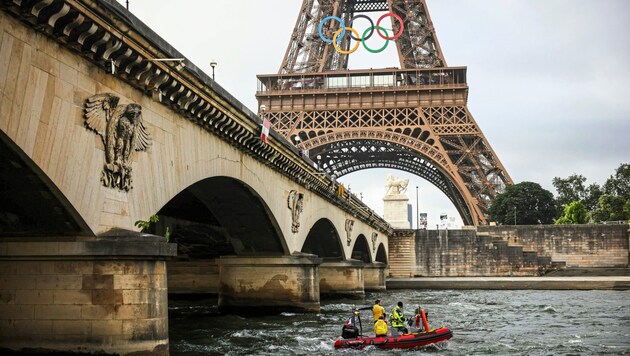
(549, 80)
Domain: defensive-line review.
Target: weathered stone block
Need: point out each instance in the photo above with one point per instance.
(11, 311)
(73, 327)
(72, 297)
(34, 296)
(98, 281)
(61, 312)
(107, 327)
(59, 282)
(107, 296)
(106, 311)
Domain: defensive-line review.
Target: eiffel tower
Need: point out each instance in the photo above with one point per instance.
(414, 118)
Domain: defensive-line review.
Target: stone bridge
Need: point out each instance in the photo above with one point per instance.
(103, 124)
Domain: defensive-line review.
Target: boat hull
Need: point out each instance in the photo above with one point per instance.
(397, 342)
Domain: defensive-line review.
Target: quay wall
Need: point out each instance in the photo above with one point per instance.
(576, 245)
(496, 251)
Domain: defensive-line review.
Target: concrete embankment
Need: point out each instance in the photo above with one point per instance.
(541, 283)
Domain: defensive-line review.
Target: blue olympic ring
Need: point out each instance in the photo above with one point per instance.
(321, 24)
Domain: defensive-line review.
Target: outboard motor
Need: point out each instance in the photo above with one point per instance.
(350, 329)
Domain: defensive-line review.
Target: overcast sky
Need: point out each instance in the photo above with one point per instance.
(549, 80)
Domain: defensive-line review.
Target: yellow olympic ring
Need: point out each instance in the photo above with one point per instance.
(334, 40)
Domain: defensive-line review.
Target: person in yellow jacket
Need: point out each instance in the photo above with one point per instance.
(398, 319)
(380, 326)
(377, 310)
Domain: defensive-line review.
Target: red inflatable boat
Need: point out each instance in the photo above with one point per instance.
(397, 342)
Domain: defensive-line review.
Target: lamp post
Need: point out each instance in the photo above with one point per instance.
(417, 211)
(319, 158)
(213, 63)
(515, 216)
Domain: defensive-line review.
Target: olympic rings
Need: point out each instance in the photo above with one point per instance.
(375, 50)
(339, 33)
(402, 25)
(356, 46)
(321, 24)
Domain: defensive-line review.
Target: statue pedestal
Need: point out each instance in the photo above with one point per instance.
(395, 210)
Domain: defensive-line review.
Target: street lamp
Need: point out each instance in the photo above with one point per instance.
(319, 158)
(515, 216)
(213, 63)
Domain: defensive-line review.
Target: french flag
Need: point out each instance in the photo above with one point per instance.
(265, 130)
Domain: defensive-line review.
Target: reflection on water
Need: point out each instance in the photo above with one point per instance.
(483, 323)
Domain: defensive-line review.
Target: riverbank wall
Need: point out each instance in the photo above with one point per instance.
(500, 251)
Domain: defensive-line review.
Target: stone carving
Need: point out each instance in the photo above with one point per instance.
(395, 186)
(374, 237)
(122, 132)
(295, 202)
(349, 226)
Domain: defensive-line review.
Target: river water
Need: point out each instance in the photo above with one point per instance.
(523, 322)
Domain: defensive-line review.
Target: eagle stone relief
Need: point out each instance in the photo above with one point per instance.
(122, 131)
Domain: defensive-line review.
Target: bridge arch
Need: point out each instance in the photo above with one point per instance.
(323, 240)
(374, 149)
(381, 254)
(361, 249)
(22, 182)
(222, 216)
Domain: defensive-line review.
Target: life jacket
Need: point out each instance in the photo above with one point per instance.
(380, 327)
(377, 310)
(397, 318)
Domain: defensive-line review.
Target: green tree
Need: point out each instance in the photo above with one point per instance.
(570, 189)
(573, 188)
(619, 184)
(611, 208)
(574, 213)
(527, 201)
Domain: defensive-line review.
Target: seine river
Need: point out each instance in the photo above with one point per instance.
(483, 323)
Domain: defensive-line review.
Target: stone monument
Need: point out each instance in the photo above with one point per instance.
(395, 202)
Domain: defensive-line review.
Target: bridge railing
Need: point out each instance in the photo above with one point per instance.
(389, 78)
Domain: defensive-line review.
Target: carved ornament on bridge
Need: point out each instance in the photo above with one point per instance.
(374, 237)
(122, 132)
(349, 226)
(295, 202)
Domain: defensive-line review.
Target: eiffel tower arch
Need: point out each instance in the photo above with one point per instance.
(413, 118)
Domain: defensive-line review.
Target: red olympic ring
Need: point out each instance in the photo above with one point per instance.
(400, 20)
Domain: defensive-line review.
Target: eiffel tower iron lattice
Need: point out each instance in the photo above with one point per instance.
(414, 118)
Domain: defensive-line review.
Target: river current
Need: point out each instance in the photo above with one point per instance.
(523, 322)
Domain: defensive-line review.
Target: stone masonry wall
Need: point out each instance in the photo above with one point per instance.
(450, 253)
(576, 245)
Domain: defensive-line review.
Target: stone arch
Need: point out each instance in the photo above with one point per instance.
(323, 240)
(381, 254)
(31, 204)
(347, 154)
(221, 216)
(361, 249)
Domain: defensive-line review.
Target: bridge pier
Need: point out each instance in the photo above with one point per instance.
(343, 279)
(374, 277)
(287, 283)
(193, 277)
(95, 295)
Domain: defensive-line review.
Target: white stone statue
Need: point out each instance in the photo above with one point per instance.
(395, 186)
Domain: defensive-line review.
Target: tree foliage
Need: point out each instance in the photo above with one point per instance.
(619, 183)
(573, 188)
(527, 201)
(574, 213)
(611, 208)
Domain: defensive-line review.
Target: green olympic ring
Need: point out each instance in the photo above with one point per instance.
(343, 29)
